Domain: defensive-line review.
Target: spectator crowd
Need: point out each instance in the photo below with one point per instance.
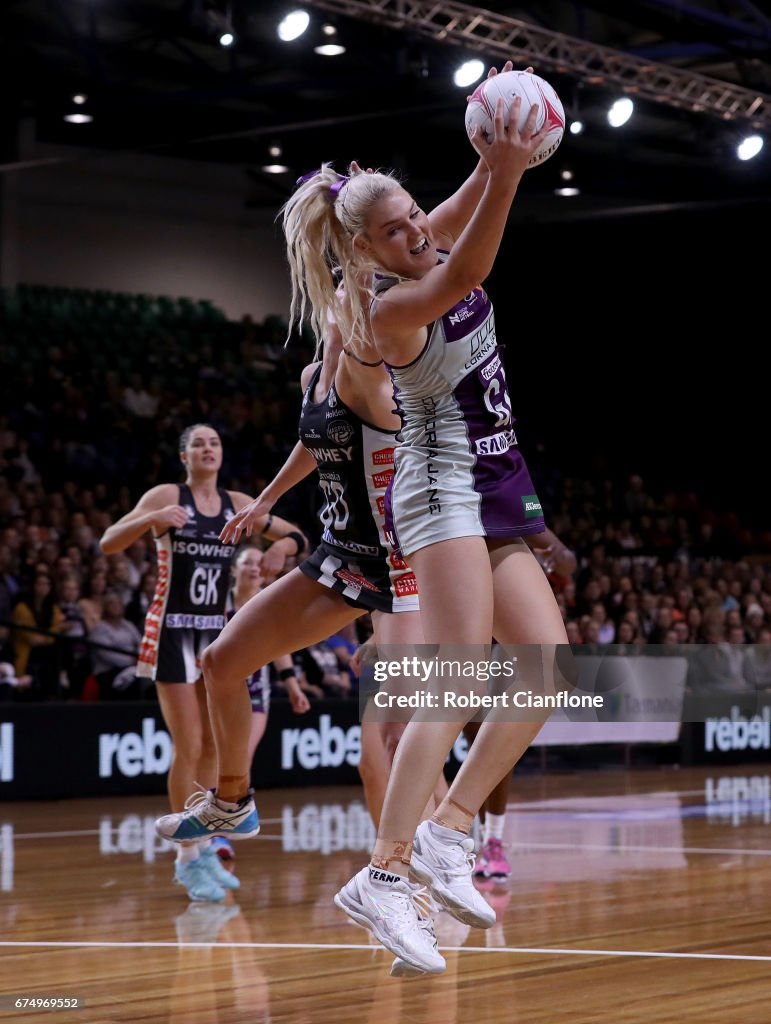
(101, 387)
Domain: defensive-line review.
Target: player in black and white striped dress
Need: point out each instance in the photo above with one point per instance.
(186, 614)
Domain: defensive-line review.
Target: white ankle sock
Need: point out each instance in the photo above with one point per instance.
(226, 805)
(494, 826)
(187, 853)
(381, 878)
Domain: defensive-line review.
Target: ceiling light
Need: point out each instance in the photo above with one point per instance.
(566, 174)
(620, 112)
(274, 150)
(749, 147)
(293, 25)
(576, 127)
(567, 190)
(468, 73)
(79, 98)
(275, 168)
(333, 47)
(78, 118)
(219, 19)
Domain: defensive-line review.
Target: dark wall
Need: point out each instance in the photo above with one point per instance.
(643, 338)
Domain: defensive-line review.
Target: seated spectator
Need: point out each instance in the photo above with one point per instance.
(138, 400)
(628, 639)
(606, 630)
(714, 668)
(119, 576)
(573, 632)
(75, 659)
(757, 661)
(661, 624)
(36, 653)
(345, 643)
(136, 609)
(754, 623)
(92, 604)
(114, 662)
(321, 669)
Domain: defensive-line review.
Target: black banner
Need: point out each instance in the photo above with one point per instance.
(53, 750)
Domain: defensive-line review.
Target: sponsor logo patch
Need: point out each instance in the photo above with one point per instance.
(383, 457)
(381, 479)
(355, 579)
(406, 585)
(531, 506)
(340, 431)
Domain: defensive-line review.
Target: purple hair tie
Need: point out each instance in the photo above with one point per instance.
(334, 188)
(307, 177)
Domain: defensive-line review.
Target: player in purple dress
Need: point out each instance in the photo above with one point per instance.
(461, 499)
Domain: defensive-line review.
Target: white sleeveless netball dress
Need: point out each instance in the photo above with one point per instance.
(459, 472)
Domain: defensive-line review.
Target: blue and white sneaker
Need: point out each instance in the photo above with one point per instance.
(204, 817)
(217, 869)
(201, 886)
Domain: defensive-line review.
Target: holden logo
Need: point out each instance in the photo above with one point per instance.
(339, 431)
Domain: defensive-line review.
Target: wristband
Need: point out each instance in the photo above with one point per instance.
(268, 524)
(299, 541)
(286, 673)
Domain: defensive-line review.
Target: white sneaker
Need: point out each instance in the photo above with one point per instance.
(445, 864)
(426, 906)
(392, 915)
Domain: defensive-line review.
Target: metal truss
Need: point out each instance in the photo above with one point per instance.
(499, 35)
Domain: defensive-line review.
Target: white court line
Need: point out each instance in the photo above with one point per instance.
(524, 950)
(731, 850)
(555, 802)
(722, 851)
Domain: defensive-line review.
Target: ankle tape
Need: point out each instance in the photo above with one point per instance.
(466, 811)
(439, 820)
(402, 853)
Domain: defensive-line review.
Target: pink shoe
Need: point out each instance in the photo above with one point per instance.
(223, 848)
(492, 861)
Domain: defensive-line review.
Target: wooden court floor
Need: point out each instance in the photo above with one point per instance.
(638, 897)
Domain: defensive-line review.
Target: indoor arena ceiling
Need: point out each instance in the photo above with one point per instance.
(157, 80)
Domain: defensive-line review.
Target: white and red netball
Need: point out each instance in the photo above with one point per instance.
(533, 89)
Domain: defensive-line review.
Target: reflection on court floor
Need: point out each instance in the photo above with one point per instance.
(651, 882)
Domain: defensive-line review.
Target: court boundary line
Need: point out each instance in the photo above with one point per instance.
(521, 950)
(514, 846)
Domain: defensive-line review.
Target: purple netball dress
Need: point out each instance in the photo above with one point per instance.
(459, 472)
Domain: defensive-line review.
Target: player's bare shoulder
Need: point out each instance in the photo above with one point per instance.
(307, 374)
(159, 496)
